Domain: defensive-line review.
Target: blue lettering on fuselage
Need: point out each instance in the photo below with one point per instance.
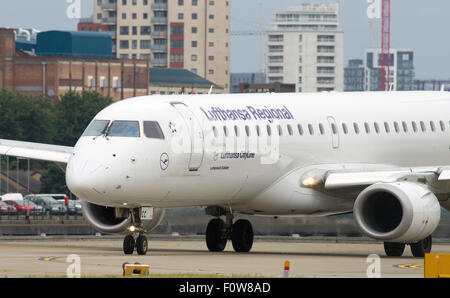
(248, 113)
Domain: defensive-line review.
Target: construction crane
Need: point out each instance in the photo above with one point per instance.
(385, 45)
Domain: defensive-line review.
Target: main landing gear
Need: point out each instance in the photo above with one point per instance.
(218, 232)
(418, 249)
(135, 238)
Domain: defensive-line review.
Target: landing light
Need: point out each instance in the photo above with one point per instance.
(132, 228)
(310, 181)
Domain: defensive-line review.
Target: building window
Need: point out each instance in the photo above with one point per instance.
(124, 30)
(145, 30)
(145, 44)
(124, 44)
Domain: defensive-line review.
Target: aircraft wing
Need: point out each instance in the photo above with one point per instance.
(58, 154)
(437, 177)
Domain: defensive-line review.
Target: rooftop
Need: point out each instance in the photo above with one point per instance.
(177, 76)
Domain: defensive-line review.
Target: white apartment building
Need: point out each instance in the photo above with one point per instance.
(189, 34)
(306, 48)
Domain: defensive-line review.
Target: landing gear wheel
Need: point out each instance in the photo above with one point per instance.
(215, 238)
(394, 249)
(422, 247)
(128, 244)
(141, 245)
(242, 236)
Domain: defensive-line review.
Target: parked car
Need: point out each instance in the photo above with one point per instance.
(12, 197)
(48, 203)
(23, 207)
(75, 207)
(6, 209)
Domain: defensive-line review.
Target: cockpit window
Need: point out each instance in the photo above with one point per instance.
(153, 130)
(96, 128)
(124, 129)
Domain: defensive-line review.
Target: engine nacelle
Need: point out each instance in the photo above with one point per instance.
(117, 220)
(397, 212)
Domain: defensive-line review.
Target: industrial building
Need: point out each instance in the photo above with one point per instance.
(306, 48)
(190, 34)
(68, 64)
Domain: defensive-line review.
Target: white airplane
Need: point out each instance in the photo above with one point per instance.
(385, 156)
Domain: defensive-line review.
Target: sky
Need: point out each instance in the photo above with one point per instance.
(423, 26)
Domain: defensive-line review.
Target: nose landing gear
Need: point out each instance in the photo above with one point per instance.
(136, 238)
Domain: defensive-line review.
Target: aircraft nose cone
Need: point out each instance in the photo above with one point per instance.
(88, 179)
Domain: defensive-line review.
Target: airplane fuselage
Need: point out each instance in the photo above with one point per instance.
(250, 152)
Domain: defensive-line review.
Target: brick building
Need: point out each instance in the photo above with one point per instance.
(53, 76)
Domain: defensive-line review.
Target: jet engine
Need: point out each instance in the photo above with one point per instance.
(404, 212)
(117, 220)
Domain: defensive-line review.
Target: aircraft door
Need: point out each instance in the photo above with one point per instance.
(196, 137)
(334, 132)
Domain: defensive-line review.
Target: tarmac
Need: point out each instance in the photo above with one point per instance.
(313, 258)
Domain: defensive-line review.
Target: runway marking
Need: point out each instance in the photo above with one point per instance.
(48, 259)
(419, 266)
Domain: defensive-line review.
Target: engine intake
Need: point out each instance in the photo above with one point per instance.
(397, 212)
(116, 220)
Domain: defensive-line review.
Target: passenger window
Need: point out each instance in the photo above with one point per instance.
(236, 131)
(96, 128)
(334, 128)
(300, 129)
(366, 126)
(321, 129)
(258, 133)
(422, 126)
(269, 130)
(405, 126)
(433, 127)
(356, 127)
(153, 130)
(124, 129)
(280, 130)
(311, 129)
(386, 127)
(225, 131)
(414, 126)
(216, 133)
(377, 127)
(344, 128)
(289, 128)
(396, 127)
(442, 124)
(247, 130)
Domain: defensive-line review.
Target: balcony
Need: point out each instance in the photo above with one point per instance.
(109, 20)
(160, 34)
(158, 48)
(161, 62)
(109, 6)
(159, 20)
(159, 6)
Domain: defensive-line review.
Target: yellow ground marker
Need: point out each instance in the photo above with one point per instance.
(437, 266)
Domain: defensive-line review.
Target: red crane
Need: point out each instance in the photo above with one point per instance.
(385, 45)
